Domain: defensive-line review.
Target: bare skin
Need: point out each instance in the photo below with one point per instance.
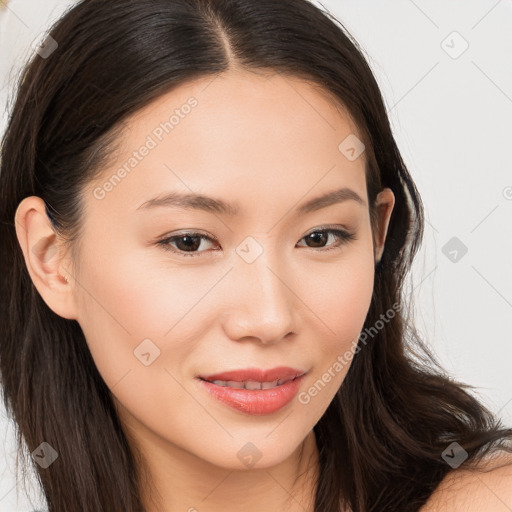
(268, 143)
(464, 490)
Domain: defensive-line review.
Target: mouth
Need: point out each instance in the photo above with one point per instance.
(254, 378)
(254, 391)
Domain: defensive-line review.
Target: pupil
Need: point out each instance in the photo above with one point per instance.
(192, 242)
(314, 237)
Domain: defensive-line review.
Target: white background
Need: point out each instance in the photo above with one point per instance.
(452, 119)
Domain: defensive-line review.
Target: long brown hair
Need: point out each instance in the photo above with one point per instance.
(382, 438)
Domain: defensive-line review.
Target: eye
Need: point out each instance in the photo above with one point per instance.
(321, 236)
(187, 242)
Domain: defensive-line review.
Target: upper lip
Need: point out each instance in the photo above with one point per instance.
(256, 374)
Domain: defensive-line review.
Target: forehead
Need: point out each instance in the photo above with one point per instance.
(240, 129)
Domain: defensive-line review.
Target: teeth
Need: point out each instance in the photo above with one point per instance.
(249, 384)
(229, 383)
(268, 385)
(252, 384)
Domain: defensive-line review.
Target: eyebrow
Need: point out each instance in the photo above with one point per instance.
(191, 201)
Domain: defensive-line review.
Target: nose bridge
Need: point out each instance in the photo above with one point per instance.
(263, 302)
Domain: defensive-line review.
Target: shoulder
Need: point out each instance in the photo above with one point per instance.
(467, 490)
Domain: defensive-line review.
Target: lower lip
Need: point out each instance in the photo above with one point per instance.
(255, 401)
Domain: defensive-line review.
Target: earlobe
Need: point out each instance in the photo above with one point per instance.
(42, 252)
(384, 204)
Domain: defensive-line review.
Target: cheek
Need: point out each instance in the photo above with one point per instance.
(340, 293)
(133, 296)
(118, 307)
(340, 301)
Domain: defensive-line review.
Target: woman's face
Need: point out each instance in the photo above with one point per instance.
(254, 290)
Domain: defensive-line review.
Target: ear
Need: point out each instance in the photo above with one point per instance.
(44, 259)
(384, 203)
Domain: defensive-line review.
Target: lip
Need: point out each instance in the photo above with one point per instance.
(254, 401)
(256, 374)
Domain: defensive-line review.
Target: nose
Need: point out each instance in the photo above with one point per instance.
(262, 303)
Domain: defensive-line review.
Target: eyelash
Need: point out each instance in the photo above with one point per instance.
(342, 236)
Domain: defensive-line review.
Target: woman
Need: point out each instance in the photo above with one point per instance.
(207, 225)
